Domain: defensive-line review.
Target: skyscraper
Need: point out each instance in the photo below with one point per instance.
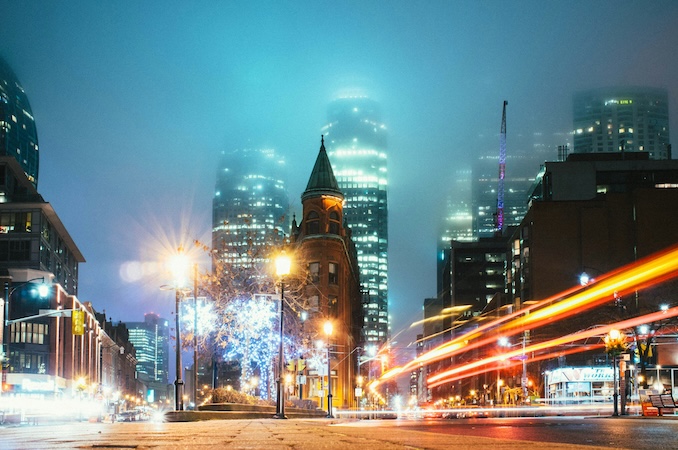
(472, 198)
(520, 170)
(625, 119)
(151, 342)
(250, 205)
(356, 145)
(31, 234)
(18, 135)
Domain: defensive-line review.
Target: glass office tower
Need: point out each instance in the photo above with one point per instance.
(356, 145)
(250, 205)
(627, 119)
(151, 342)
(18, 135)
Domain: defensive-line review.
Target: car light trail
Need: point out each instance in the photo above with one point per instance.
(567, 339)
(638, 275)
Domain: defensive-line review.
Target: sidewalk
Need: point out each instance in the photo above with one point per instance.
(268, 434)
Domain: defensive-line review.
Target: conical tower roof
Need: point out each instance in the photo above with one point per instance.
(322, 181)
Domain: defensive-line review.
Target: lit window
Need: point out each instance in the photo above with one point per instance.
(314, 271)
(333, 273)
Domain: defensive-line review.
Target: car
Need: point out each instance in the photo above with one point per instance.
(127, 416)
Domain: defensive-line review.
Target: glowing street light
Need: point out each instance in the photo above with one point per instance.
(283, 265)
(615, 344)
(585, 279)
(42, 289)
(328, 331)
(178, 265)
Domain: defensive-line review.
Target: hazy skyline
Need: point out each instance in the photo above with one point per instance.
(134, 101)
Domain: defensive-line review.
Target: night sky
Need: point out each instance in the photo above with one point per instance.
(134, 100)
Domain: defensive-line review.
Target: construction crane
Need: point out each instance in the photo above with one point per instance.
(502, 172)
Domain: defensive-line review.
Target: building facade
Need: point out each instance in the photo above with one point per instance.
(356, 145)
(82, 367)
(31, 234)
(332, 291)
(18, 134)
(592, 213)
(250, 206)
(622, 119)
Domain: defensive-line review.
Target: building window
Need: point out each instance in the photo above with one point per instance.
(15, 250)
(333, 273)
(313, 303)
(333, 307)
(312, 223)
(314, 272)
(29, 333)
(334, 223)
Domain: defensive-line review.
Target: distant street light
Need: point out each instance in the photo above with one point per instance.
(328, 331)
(283, 264)
(585, 279)
(615, 344)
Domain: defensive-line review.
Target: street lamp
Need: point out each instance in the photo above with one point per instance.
(615, 344)
(178, 265)
(328, 331)
(195, 336)
(5, 339)
(502, 342)
(283, 265)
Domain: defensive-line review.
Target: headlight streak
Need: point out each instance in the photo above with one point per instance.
(635, 276)
(567, 339)
(512, 364)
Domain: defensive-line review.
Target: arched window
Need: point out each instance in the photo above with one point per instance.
(334, 223)
(312, 223)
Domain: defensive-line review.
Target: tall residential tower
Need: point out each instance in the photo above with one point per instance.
(356, 145)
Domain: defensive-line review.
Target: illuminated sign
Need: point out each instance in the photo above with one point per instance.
(618, 102)
(580, 374)
(33, 386)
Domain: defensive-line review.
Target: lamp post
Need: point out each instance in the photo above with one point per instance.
(615, 344)
(328, 331)
(178, 265)
(502, 342)
(195, 336)
(178, 382)
(282, 268)
(5, 337)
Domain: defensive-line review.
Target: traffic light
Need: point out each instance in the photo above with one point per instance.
(296, 365)
(78, 322)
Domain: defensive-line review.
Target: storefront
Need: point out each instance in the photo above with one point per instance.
(573, 385)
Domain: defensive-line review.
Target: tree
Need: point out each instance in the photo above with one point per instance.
(244, 293)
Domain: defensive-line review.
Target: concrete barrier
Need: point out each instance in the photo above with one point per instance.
(225, 411)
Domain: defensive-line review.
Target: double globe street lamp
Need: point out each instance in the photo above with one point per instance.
(615, 345)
